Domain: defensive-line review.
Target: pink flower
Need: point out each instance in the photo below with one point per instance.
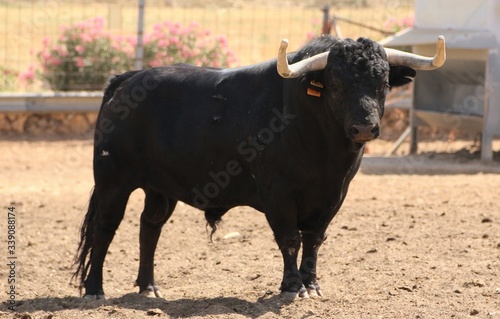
(86, 37)
(79, 62)
(55, 61)
(146, 38)
(46, 55)
(155, 63)
(185, 52)
(195, 52)
(28, 75)
(46, 41)
(79, 49)
(174, 40)
(116, 46)
(163, 43)
(222, 40)
(62, 52)
(175, 27)
(132, 41)
(98, 23)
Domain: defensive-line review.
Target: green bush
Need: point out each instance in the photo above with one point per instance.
(171, 43)
(7, 79)
(83, 57)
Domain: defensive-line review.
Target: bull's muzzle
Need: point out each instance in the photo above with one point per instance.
(364, 132)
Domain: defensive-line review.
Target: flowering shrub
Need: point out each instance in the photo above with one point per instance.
(28, 77)
(171, 43)
(83, 57)
(7, 79)
(395, 25)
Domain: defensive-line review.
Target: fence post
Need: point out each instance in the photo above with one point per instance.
(139, 50)
(327, 26)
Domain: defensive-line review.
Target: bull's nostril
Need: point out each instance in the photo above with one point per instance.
(364, 132)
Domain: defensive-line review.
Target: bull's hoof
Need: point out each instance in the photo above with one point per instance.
(314, 292)
(292, 295)
(151, 292)
(94, 297)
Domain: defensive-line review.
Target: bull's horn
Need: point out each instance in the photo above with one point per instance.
(314, 63)
(418, 62)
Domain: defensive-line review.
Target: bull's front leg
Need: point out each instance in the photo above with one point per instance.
(311, 244)
(288, 239)
(291, 285)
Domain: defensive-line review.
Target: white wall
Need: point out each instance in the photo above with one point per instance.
(457, 14)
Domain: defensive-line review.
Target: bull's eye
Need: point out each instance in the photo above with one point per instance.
(385, 87)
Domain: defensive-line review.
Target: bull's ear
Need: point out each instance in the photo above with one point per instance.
(400, 75)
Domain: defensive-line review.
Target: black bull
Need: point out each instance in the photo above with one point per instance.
(220, 138)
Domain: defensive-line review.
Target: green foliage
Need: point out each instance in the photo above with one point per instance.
(83, 57)
(7, 79)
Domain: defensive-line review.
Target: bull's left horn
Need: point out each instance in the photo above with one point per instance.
(418, 62)
(314, 63)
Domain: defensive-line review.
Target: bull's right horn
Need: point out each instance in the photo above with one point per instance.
(314, 63)
(418, 62)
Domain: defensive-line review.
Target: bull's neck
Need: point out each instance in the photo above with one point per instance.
(314, 134)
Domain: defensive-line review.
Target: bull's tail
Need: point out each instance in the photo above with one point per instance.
(84, 253)
(85, 246)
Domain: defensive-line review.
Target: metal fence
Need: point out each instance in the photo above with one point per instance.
(253, 28)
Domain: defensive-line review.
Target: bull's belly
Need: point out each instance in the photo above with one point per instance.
(206, 188)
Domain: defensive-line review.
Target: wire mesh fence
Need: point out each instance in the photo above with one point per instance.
(250, 29)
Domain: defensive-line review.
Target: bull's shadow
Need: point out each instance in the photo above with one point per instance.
(173, 308)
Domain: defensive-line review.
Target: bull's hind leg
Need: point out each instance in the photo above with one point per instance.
(110, 206)
(157, 210)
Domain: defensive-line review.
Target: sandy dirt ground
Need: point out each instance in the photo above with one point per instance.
(402, 246)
